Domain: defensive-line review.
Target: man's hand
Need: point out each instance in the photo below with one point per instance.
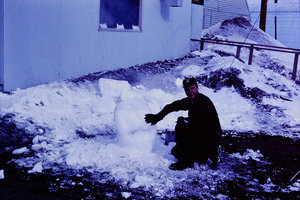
(152, 118)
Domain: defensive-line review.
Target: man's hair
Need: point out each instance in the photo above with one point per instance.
(187, 82)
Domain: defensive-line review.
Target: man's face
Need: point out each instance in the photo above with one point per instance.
(191, 91)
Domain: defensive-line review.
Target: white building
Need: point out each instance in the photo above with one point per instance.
(50, 40)
(287, 14)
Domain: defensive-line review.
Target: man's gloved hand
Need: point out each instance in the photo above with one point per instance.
(183, 120)
(152, 118)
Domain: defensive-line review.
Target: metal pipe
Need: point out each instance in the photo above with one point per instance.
(275, 27)
(238, 52)
(295, 66)
(201, 44)
(275, 1)
(250, 54)
(263, 15)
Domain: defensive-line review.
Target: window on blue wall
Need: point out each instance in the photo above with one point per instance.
(120, 14)
(199, 2)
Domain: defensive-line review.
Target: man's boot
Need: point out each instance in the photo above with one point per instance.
(181, 165)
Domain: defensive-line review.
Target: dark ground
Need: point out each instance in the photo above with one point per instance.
(282, 155)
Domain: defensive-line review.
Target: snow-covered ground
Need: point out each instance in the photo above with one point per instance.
(98, 125)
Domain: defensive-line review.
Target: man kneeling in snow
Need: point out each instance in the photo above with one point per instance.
(196, 137)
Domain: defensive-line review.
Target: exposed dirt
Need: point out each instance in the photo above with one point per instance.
(283, 162)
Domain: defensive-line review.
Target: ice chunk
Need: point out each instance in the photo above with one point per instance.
(126, 195)
(35, 140)
(296, 186)
(2, 174)
(19, 151)
(44, 144)
(37, 168)
(249, 154)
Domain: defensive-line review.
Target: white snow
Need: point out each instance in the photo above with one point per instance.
(20, 151)
(192, 70)
(103, 25)
(2, 174)
(268, 186)
(249, 154)
(295, 186)
(38, 167)
(126, 195)
(120, 26)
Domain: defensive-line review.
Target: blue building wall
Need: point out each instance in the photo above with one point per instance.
(196, 21)
(51, 40)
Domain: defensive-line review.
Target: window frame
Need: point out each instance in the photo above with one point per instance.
(198, 2)
(139, 29)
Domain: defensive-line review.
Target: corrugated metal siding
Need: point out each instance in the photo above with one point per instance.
(219, 10)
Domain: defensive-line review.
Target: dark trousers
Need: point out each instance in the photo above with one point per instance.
(193, 145)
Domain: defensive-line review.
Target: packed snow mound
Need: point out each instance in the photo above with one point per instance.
(239, 29)
(132, 130)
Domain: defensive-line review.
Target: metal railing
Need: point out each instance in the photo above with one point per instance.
(252, 46)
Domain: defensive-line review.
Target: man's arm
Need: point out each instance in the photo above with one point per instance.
(174, 106)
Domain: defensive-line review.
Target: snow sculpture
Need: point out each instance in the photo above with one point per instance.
(133, 132)
(113, 88)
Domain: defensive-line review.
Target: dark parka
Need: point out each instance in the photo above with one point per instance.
(200, 136)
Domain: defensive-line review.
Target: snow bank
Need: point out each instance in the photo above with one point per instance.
(295, 186)
(239, 29)
(1, 174)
